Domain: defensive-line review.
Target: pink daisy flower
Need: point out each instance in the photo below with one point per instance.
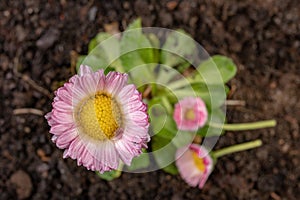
(99, 120)
(190, 114)
(194, 164)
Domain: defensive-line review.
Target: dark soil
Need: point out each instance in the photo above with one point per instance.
(37, 39)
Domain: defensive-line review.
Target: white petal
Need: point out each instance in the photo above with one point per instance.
(115, 82)
(84, 69)
(104, 153)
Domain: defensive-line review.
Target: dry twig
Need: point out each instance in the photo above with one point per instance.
(235, 103)
(22, 111)
(33, 84)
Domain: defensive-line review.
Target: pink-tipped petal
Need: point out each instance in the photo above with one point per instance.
(79, 90)
(84, 69)
(126, 93)
(66, 139)
(89, 84)
(187, 166)
(62, 117)
(104, 154)
(62, 94)
(126, 150)
(58, 129)
(115, 82)
(62, 106)
(100, 80)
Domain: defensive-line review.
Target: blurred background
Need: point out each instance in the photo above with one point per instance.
(39, 43)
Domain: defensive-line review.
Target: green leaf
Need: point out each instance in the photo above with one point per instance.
(166, 143)
(171, 169)
(108, 49)
(100, 37)
(166, 133)
(213, 95)
(158, 117)
(142, 75)
(183, 138)
(226, 66)
(163, 151)
(216, 70)
(80, 59)
(182, 67)
(104, 51)
(135, 24)
(108, 69)
(135, 47)
(155, 43)
(178, 48)
(95, 62)
(169, 129)
(110, 175)
(166, 74)
(227, 89)
(139, 162)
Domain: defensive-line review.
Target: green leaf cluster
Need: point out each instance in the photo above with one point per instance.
(147, 59)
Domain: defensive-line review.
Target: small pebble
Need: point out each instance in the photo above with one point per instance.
(23, 184)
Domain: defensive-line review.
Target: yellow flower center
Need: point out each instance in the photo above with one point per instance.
(198, 162)
(99, 116)
(190, 114)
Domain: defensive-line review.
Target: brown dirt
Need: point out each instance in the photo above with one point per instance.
(37, 37)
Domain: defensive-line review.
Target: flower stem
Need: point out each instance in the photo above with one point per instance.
(237, 148)
(153, 89)
(244, 126)
(167, 104)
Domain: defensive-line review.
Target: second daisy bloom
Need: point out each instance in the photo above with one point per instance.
(190, 114)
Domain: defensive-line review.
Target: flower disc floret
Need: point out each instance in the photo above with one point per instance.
(99, 116)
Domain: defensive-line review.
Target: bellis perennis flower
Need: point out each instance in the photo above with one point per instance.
(194, 164)
(190, 114)
(99, 120)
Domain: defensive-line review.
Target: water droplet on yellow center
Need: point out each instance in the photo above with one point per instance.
(198, 162)
(99, 116)
(189, 114)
